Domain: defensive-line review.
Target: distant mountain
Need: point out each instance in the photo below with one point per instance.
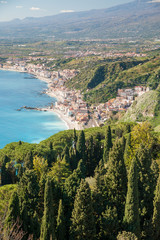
(138, 19)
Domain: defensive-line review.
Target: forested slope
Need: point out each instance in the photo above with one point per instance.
(101, 183)
(100, 82)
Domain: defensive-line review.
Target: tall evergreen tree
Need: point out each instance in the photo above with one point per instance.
(107, 144)
(145, 185)
(99, 176)
(48, 224)
(90, 164)
(73, 158)
(28, 193)
(50, 155)
(28, 161)
(155, 170)
(99, 194)
(131, 217)
(65, 155)
(127, 150)
(71, 186)
(98, 151)
(83, 223)
(5, 175)
(60, 229)
(13, 210)
(81, 146)
(109, 224)
(116, 178)
(74, 138)
(73, 181)
(156, 212)
(123, 142)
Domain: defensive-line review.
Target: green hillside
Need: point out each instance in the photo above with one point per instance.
(100, 82)
(143, 108)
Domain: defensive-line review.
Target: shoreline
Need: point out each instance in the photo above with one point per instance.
(63, 117)
(70, 124)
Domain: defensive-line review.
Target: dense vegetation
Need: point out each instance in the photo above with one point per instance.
(101, 183)
(100, 82)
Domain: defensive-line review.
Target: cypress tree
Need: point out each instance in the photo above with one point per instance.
(50, 155)
(81, 147)
(65, 156)
(127, 149)
(28, 193)
(83, 223)
(131, 217)
(90, 164)
(107, 144)
(116, 178)
(60, 230)
(5, 176)
(74, 138)
(13, 210)
(47, 226)
(99, 193)
(123, 142)
(28, 161)
(109, 224)
(145, 185)
(155, 170)
(98, 152)
(99, 176)
(156, 212)
(73, 158)
(73, 181)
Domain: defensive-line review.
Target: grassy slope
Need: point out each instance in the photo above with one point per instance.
(143, 107)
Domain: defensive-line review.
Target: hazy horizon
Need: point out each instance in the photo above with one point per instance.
(37, 8)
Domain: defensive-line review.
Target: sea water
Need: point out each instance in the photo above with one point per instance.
(18, 90)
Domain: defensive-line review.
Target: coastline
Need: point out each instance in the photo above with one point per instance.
(70, 124)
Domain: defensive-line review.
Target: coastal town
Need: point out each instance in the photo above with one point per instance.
(69, 104)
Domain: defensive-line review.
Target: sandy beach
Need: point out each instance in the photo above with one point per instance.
(70, 124)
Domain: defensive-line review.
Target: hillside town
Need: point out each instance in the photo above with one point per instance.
(70, 103)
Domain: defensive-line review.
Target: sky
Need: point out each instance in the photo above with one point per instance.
(12, 9)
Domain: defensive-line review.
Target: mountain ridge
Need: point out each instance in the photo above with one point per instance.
(137, 19)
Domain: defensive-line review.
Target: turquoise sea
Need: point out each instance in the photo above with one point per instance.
(22, 89)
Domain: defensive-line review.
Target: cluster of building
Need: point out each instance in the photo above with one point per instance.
(40, 70)
(74, 107)
(122, 102)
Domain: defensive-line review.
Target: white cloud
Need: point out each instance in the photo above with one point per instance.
(3, 2)
(67, 11)
(35, 9)
(19, 6)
